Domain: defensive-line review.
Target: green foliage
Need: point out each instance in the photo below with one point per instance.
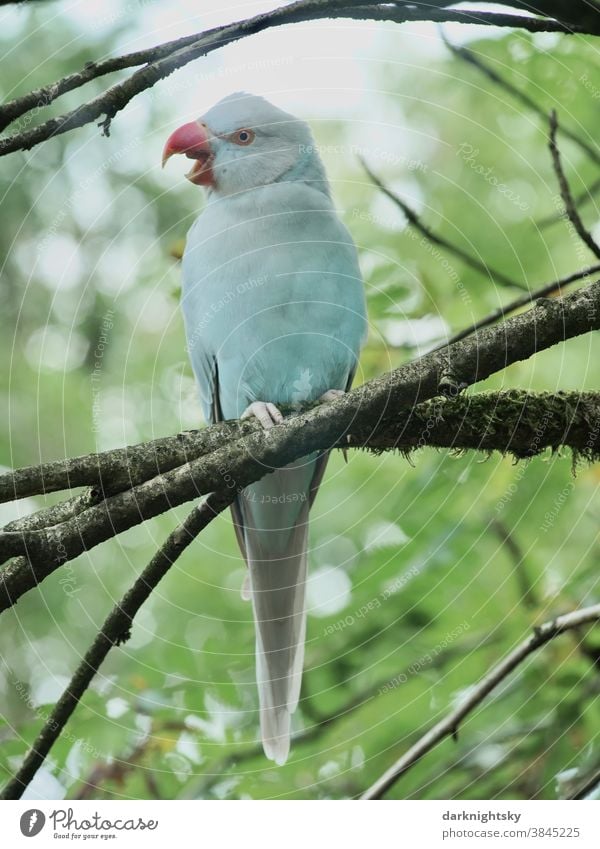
(413, 595)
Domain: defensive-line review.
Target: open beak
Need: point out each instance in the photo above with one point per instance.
(192, 140)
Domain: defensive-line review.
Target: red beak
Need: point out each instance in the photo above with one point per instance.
(192, 140)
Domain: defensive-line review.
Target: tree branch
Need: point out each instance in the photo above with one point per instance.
(114, 632)
(448, 726)
(161, 61)
(517, 422)
(121, 468)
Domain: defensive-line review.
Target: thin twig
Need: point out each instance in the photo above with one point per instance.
(522, 301)
(448, 726)
(582, 198)
(527, 592)
(415, 221)
(472, 59)
(114, 632)
(565, 191)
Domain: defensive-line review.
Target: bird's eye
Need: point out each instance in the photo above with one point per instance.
(243, 137)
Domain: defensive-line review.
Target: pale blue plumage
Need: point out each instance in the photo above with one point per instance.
(274, 311)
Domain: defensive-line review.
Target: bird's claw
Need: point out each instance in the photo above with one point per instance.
(266, 413)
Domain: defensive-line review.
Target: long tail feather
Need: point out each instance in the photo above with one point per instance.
(275, 512)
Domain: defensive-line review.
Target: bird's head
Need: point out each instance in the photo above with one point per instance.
(244, 142)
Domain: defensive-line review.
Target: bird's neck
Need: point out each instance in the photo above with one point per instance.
(307, 169)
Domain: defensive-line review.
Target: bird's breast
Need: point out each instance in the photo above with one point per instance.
(273, 288)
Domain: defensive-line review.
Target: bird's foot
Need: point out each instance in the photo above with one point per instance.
(267, 414)
(331, 395)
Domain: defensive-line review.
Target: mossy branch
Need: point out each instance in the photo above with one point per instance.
(520, 423)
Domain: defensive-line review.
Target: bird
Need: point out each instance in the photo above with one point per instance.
(274, 312)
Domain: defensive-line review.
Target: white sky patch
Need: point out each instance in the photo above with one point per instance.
(75, 760)
(116, 707)
(56, 348)
(328, 590)
(144, 629)
(188, 747)
(59, 263)
(44, 786)
(416, 333)
(384, 535)
(47, 690)
(11, 510)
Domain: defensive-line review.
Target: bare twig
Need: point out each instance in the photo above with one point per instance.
(115, 630)
(582, 198)
(415, 221)
(472, 59)
(526, 591)
(449, 725)
(565, 191)
(522, 301)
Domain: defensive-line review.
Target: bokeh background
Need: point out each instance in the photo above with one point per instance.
(414, 591)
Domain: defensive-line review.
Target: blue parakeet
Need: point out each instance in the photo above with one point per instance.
(274, 312)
